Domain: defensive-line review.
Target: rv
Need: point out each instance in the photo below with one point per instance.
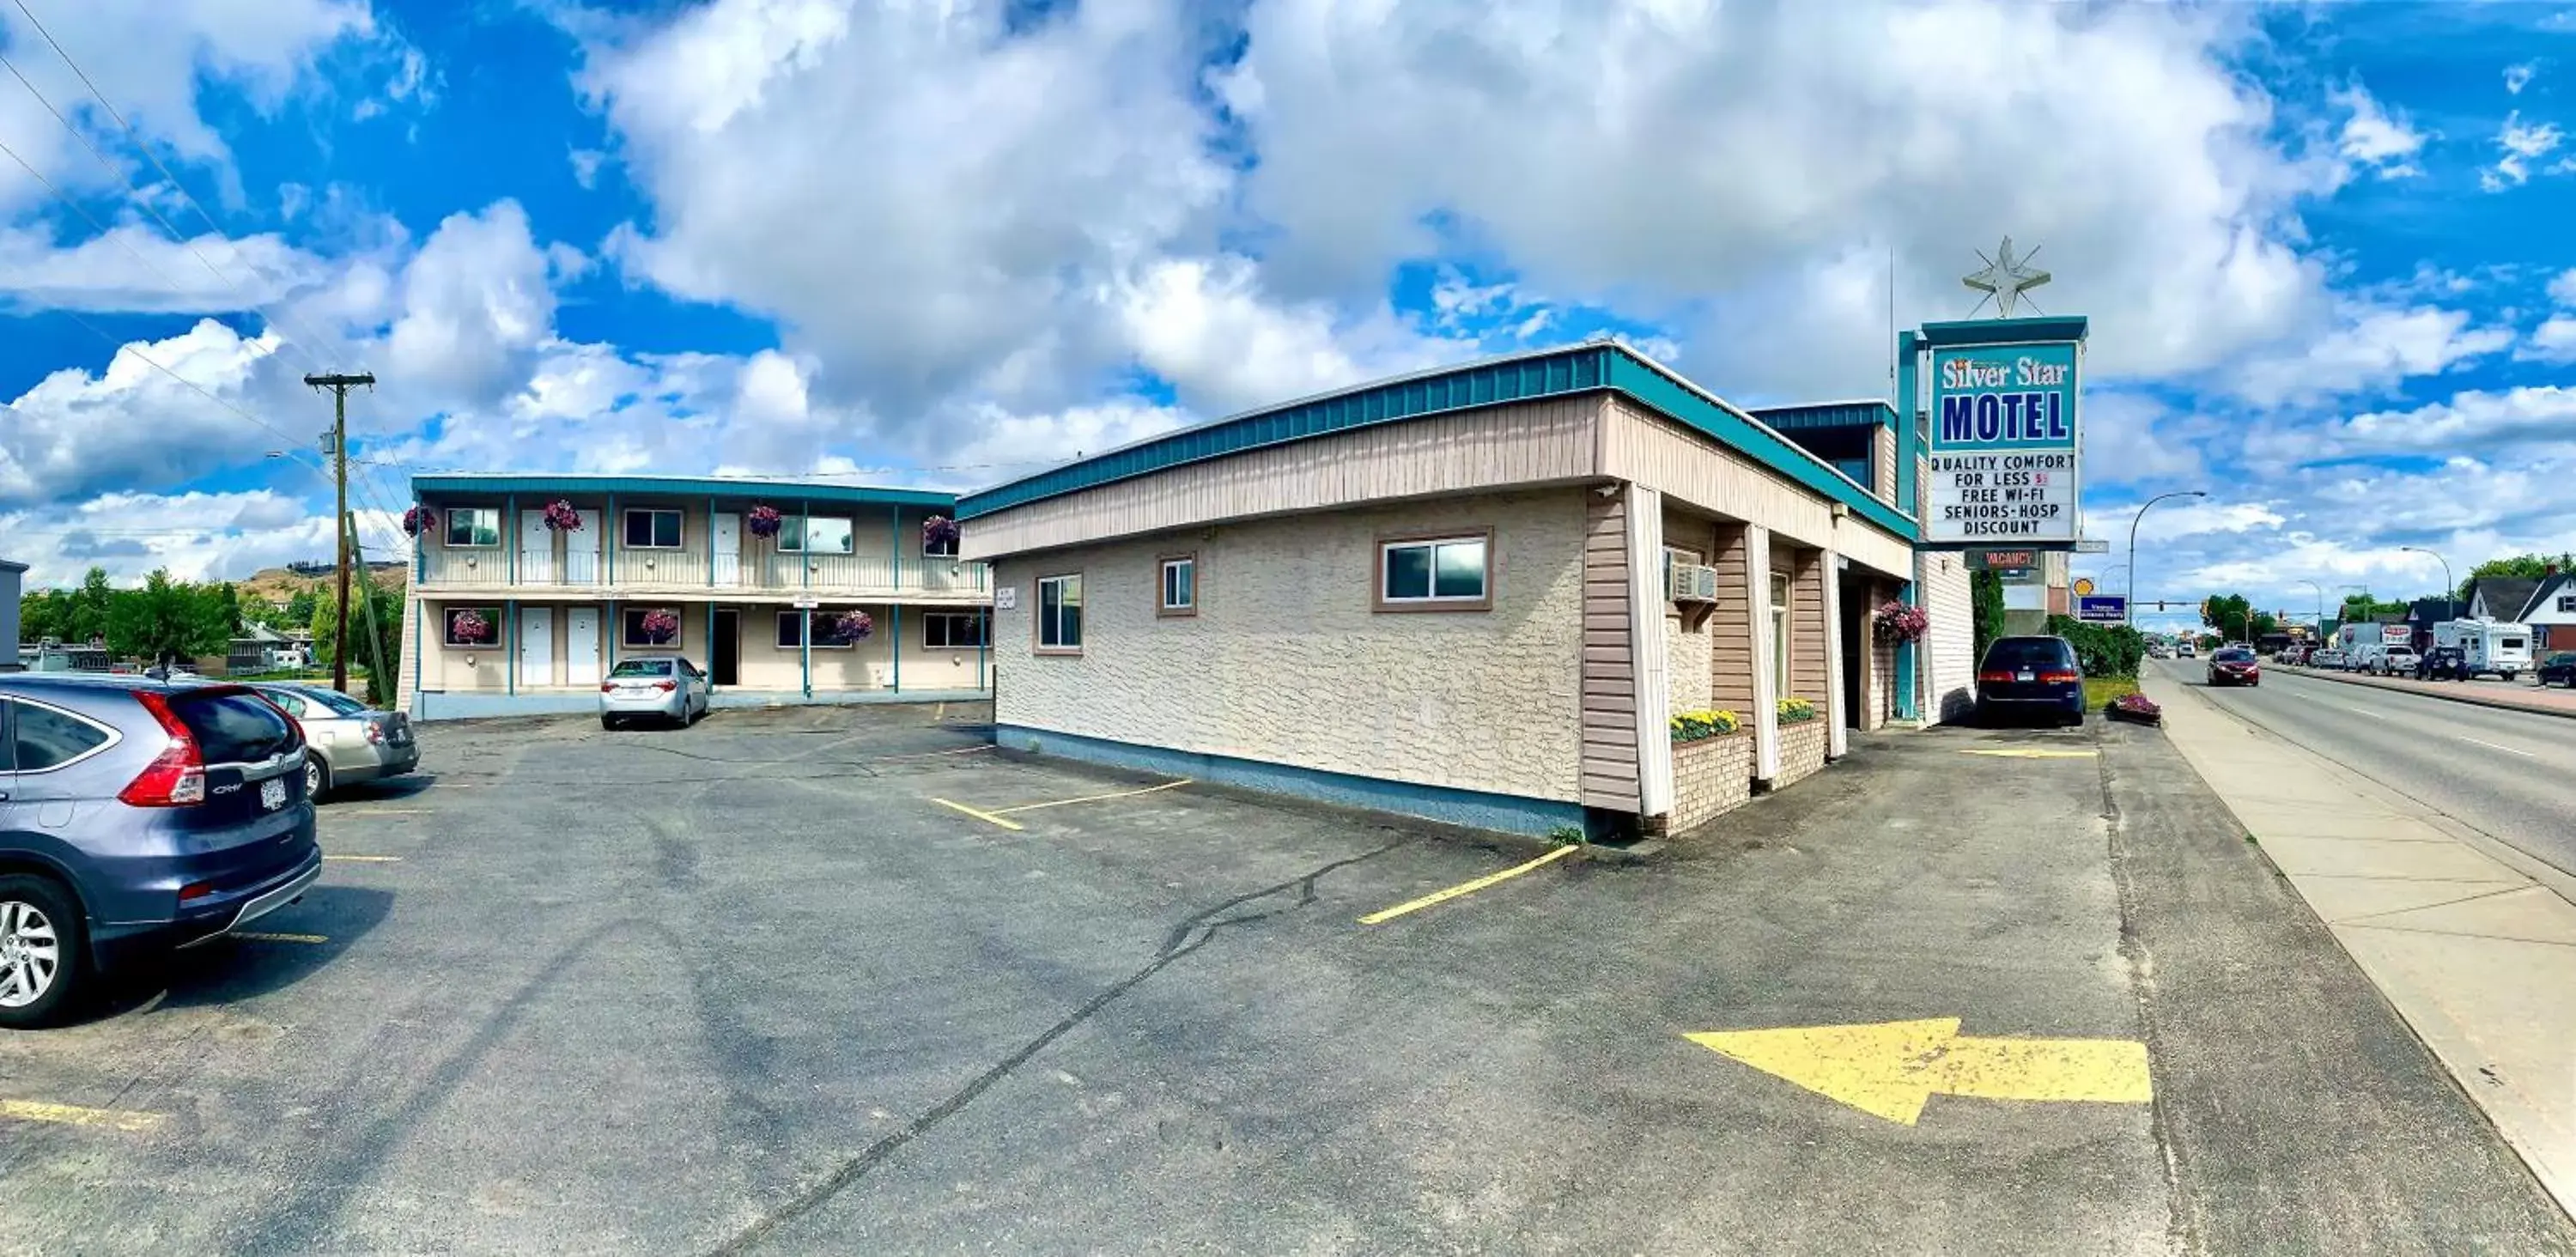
(2490, 646)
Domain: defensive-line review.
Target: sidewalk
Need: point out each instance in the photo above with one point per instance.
(2474, 943)
(2530, 698)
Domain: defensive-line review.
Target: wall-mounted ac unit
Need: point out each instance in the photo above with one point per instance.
(1692, 582)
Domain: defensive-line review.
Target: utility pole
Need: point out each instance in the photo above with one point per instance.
(340, 386)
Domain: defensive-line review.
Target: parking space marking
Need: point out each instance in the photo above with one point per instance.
(364, 859)
(2029, 752)
(1093, 798)
(251, 937)
(1466, 888)
(74, 1115)
(979, 814)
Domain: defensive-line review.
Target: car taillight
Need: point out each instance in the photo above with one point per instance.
(608, 687)
(666, 686)
(2060, 677)
(1994, 676)
(375, 732)
(177, 776)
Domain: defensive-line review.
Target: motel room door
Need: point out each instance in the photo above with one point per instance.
(536, 645)
(728, 547)
(724, 654)
(536, 548)
(581, 646)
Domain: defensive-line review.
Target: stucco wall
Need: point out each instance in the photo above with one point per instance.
(1287, 662)
(1949, 664)
(1688, 650)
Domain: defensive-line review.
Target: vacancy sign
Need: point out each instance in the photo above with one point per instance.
(2003, 445)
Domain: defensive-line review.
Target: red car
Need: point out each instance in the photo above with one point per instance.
(2235, 666)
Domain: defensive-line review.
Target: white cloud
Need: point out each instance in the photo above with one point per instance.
(2375, 139)
(2522, 419)
(2373, 347)
(1206, 327)
(2553, 341)
(138, 269)
(475, 303)
(585, 166)
(2563, 289)
(198, 536)
(76, 434)
(2523, 144)
(2517, 77)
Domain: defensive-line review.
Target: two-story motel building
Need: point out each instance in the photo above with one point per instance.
(750, 580)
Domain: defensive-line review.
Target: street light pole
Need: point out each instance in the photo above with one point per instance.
(2129, 607)
(2448, 588)
(2321, 602)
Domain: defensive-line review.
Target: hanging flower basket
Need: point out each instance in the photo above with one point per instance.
(1901, 622)
(418, 520)
(470, 626)
(939, 535)
(853, 626)
(2135, 707)
(561, 517)
(661, 626)
(764, 521)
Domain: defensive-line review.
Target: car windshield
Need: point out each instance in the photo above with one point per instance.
(643, 668)
(2030, 652)
(339, 703)
(2232, 656)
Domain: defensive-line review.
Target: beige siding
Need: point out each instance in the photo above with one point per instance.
(1882, 465)
(1287, 662)
(1608, 670)
(764, 665)
(1730, 626)
(1809, 644)
(1497, 447)
(1948, 664)
(1688, 468)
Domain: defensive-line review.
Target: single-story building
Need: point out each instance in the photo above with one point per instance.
(2551, 613)
(1479, 594)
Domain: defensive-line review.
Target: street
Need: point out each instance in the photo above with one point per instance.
(2506, 773)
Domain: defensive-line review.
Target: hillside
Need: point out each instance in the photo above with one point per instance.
(277, 584)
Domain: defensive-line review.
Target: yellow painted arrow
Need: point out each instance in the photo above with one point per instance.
(1892, 1068)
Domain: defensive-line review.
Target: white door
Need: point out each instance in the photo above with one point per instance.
(536, 549)
(536, 646)
(728, 548)
(581, 646)
(581, 551)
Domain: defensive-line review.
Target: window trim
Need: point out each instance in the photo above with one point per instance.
(447, 614)
(1037, 614)
(114, 735)
(626, 517)
(2567, 604)
(1784, 598)
(803, 627)
(679, 636)
(805, 524)
(969, 616)
(1162, 576)
(1379, 602)
(447, 537)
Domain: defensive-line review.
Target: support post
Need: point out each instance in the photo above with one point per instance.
(895, 614)
(1766, 687)
(510, 646)
(1650, 666)
(1837, 718)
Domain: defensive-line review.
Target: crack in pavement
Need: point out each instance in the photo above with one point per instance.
(1188, 936)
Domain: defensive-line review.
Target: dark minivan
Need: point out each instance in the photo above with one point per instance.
(137, 816)
(2030, 676)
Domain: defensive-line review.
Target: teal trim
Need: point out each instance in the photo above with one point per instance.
(1905, 663)
(676, 486)
(897, 643)
(615, 632)
(1868, 414)
(510, 646)
(1546, 373)
(2034, 331)
(1473, 808)
(711, 562)
(711, 645)
(1909, 432)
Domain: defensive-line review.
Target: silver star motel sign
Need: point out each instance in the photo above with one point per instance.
(2005, 279)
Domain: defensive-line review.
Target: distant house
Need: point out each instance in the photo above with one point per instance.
(2551, 613)
(2423, 614)
(2500, 597)
(264, 649)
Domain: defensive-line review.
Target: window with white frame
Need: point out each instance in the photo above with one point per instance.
(1435, 573)
(944, 548)
(819, 534)
(791, 630)
(650, 628)
(2567, 604)
(1180, 585)
(952, 630)
(1780, 635)
(473, 527)
(652, 528)
(465, 627)
(1060, 614)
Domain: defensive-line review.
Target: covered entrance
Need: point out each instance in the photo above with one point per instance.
(724, 648)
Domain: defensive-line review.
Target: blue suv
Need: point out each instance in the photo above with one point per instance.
(137, 816)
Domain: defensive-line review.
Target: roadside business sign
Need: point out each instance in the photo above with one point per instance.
(2083, 586)
(1994, 560)
(2004, 441)
(2102, 609)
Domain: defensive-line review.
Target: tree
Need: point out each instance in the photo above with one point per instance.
(85, 619)
(2528, 566)
(166, 620)
(228, 600)
(1986, 608)
(2230, 614)
(386, 625)
(299, 608)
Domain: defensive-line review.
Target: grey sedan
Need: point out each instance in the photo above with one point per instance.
(346, 739)
(663, 688)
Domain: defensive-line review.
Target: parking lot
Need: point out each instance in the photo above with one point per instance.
(849, 980)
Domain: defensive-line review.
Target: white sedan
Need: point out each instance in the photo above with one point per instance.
(663, 687)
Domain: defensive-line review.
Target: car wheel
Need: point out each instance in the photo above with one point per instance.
(42, 972)
(317, 778)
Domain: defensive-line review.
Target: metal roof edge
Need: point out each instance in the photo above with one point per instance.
(509, 481)
(2031, 331)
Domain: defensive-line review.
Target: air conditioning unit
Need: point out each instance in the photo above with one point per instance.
(1691, 582)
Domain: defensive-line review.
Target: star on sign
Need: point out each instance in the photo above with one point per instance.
(2005, 279)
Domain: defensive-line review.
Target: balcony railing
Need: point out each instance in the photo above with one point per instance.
(691, 569)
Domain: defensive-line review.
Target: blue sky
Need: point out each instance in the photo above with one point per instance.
(948, 244)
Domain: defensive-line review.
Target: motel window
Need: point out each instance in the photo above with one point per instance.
(1060, 614)
(791, 629)
(1180, 586)
(473, 526)
(952, 630)
(471, 626)
(1435, 573)
(1780, 635)
(946, 548)
(823, 628)
(820, 534)
(650, 628)
(652, 530)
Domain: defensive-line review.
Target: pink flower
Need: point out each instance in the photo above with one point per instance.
(764, 521)
(660, 626)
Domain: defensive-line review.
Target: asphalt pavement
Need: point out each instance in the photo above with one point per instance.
(2507, 774)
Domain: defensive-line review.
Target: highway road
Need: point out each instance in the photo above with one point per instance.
(2508, 774)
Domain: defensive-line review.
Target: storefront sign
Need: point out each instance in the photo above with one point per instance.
(2004, 444)
(1998, 560)
(2102, 609)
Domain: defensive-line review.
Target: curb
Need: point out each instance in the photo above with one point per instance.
(2470, 697)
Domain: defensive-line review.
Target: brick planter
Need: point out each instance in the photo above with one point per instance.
(1802, 749)
(1710, 776)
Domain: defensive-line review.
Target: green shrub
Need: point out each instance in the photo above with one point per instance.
(1691, 726)
(2112, 650)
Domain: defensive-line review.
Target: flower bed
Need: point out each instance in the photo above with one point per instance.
(1693, 726)
(1796, 710)
(1802, 751)
(2135, 707)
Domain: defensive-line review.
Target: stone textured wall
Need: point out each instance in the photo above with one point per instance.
(1802, 749)
(1710, 776)
(1286, 662)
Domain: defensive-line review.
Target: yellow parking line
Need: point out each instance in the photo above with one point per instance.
(1094, 798)
(1466, 888)
(1014, 826)
(278, 938)
(2031, 753)
(365, 859)
(74, 1115)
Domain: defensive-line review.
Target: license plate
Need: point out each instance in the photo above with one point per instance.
(272, 793)
(2022, 677)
